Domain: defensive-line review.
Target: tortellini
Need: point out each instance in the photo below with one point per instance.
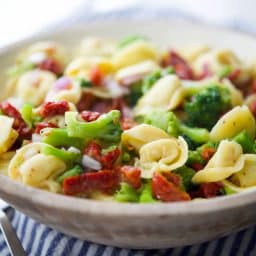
(166, 94)
(218, 59)
(227, 160)
(81, 66)
(139, 135)
(94, 46)
(4, 162)
(162, 155)
(134, 53)
(236, 120)
(71, 91)
(7, 134)
(32, 167)
(33, 86)
(136, 72)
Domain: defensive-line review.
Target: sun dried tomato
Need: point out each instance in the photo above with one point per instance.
(197, 166)
(181, 67)
(166, 190)
(104, 181)
(131, 175)
(207, 153)
(51, 65)
(54, 108)
(108, 160)
(89, 116)
(96, 76)
(42, 125)
(19, 124)
(86, 101)
(211, 189)
(93, 150)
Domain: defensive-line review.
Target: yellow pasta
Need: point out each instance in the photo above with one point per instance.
(233, 122)
(139, 135)
(162, 155)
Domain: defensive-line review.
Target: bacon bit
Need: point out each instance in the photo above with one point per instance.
(89, 116)
(207, 153)
(109, 159)
(166, 190)
(42, 125)
(181, 67)
(63, 83)
(96, 76)
(211, 189)
(93, 150)
(54, 108)
(86, 101)
(234, 75)
(51, 65)
(131, 175)
(127, 123)
(104, 181)
(252, 107)
(197, 166)
(206, 72)
(19, 124)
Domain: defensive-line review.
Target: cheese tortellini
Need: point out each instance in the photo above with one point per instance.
(166, 94)
(226, 161)
(33, 86)
(233, 122)
(7, 134)
(32, 167)
(162, 155)
(139, 135)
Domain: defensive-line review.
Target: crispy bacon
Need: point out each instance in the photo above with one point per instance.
(19, 124)
(104, 181)
(212, 189)
(42, 125)
(166, 190)
(131, 175)
(54, 108)
(86, 101)
(89, 116)
(51, 65)
(181, 67)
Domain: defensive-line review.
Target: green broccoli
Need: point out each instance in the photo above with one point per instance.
(186, 174)
(146, 193)
(245, 141)
(126, 194)
(106, 128)
(207, 106)
(194, 157)
(168, 122)
(75, 171)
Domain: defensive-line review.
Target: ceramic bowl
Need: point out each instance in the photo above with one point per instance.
(158, 225)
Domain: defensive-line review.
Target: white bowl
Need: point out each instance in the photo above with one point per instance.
(158, 225)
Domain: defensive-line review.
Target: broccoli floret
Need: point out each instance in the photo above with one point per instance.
(135, 93)
(194, 157)
(126, 194)
(106, 127)
(206, 107)
(146, 195)
(168, 122)
(245, 141)
(186, 174)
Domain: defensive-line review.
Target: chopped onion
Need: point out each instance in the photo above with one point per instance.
(36, 137)
(74, 150)
(91, 163)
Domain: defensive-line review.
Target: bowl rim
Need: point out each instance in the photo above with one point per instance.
(96, 207)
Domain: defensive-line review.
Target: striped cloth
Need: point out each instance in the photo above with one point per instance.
(40, 240)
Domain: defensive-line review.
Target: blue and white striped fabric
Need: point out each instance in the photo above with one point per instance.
(40, 240)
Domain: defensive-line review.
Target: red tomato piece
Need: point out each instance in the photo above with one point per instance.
(42, 125)
(131, 175)
(207, 153)
(54, 108)
(167, 191)
(51, 65)
(89, 116)
(181, 67)
(104, 181)
(96, 76)
(93, 150)
(211, 189)
(108, 160)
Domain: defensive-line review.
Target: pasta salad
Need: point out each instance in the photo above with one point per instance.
(129, 122)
